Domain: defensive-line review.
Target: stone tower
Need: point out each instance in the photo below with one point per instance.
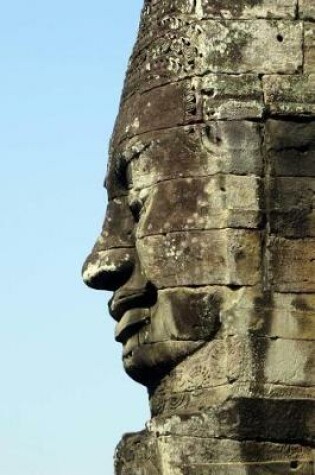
(209, 238)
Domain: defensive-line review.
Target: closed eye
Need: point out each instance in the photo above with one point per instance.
(121, 171)
(137, 202)
(135, 206)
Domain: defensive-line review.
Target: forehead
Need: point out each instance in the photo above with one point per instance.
(183, 152)
(197, 127)
(177, 131)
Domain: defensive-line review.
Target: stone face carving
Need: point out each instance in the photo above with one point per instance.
(209, 238)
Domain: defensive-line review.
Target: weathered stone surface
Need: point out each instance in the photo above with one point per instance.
(139, 112)
(291, 148)
(164, 13)
(226, 201)
(307, 9)
(206, 456)
(247, 9)
(230, 97)
(241, 318)
(185, 257)
(175, 450)
(177, 394)
(309, 48)
(202, 308)
(187, 102)
(292, 264)
(252, 311)
(103, 265)
(209, 237)
(292, 206)
(238, 46)
(137, 453)
(238, 418)
(241, 359)
(226, 147)
(290, 95)
(118, 226)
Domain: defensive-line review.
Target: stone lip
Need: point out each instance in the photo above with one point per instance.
(130, 324)
(126, 299)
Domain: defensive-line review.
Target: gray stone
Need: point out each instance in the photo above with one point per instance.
(185, 256)
(292, 264)
(247, 9)
(225, 147)
(290, 95)
(209, 237)
(290, 148)
(187, 49)
(307, 9)
(309, 47)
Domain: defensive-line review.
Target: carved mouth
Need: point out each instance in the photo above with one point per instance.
(128, 299)
(131, 323)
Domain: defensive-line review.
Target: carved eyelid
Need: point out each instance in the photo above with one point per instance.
(130, 153)
(121, 160)
(136, 201)
(117, 167)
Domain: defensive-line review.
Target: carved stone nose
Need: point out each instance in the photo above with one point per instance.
(111, 261)
(108, 269)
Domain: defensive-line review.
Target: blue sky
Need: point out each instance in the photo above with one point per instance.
(64, 400)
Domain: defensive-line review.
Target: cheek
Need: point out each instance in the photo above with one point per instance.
(187, 314)
(215, 257)
(200, 231)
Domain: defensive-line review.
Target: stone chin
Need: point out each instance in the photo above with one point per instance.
(148, 363)
(156, 339)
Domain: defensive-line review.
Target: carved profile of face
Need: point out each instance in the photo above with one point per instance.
(205, 205)
(181, 228)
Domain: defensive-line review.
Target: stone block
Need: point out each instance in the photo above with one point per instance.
(139, 112)
(309, 48)
(268, 468)
(292, 206)
(233, 147)
(307, 9)
(251, 311)
(258, 46)
(210, 370)
(226, 201)
(227, 147)
(189, 452)
(290, 362)
(138, 454)
(290, 95)
(153, 453)
(165, 11)
(187, 102)
(192, 314)
(246, 9)
(292, 264)
(217, 46)
(230, 97)
(240, 418)
(248, 362)
(274, 361)
(225, 257)
(290, 148)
